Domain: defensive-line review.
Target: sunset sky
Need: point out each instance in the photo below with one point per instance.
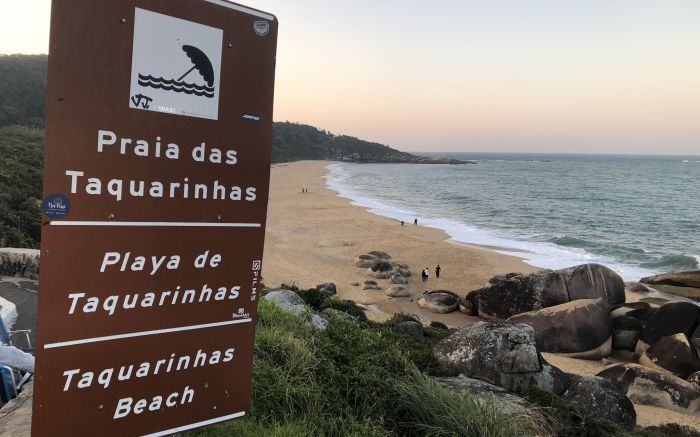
(590, 76)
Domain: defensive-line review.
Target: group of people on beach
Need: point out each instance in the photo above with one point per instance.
(425, 274)
(415, 222)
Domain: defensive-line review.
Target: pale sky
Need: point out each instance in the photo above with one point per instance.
(590, 76)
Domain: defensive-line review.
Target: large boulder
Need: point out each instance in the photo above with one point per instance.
(626, 331)
(591, 281)
(513, 293)
(579, 329)
(414, 329)
(680, 279)
(292, 303)
(500, 353)
(647, 386)
(671, 318)
(439, 301)
(602, 400)
(673, 354)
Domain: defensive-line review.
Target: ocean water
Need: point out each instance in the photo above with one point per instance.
(639, 215)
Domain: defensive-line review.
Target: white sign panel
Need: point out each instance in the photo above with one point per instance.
(176, 66)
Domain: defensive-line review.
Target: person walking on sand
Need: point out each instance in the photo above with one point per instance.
(424, 275)
(437, 272)
(401, 222)
(415, 222)
(427, 274)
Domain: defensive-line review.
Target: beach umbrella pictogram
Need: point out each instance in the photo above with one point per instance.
(201, 63)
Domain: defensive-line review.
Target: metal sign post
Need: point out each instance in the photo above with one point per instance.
(157, 166)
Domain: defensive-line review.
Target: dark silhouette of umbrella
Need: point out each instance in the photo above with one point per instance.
(201, 63)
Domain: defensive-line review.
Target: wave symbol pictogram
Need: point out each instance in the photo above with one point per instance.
(177, 86)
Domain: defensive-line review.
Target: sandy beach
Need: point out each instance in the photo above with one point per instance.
(313, 238)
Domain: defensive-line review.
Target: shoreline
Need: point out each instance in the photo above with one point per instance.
(540, 254)
(298, 222)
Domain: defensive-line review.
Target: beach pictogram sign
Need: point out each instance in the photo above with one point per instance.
(153, 220)
(163, 47)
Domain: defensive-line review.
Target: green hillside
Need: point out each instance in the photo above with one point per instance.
(21, 168)
(22, 89)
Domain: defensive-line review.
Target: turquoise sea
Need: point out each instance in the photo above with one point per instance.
(639, 215)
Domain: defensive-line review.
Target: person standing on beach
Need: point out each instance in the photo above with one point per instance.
(401, 222)
(437, 271)
(415, 222)
(427, 273)
(424, 275)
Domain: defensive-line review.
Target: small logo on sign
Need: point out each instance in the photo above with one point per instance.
(256, 265)
(56, 206)
(262, 28)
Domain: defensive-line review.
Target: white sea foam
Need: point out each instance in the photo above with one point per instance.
(538, 254)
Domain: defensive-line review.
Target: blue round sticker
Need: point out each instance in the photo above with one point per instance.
(56, 206)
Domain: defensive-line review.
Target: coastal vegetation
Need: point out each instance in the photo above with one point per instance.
(362, 378)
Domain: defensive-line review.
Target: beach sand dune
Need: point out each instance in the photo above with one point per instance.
(313, 238)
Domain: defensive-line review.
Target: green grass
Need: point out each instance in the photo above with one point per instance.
(353, 379)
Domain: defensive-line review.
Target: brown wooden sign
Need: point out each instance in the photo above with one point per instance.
(157, 166)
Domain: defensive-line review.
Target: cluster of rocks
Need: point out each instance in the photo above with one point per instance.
(568, 308)
(505, 354)
(380, 265)
(580, 312)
